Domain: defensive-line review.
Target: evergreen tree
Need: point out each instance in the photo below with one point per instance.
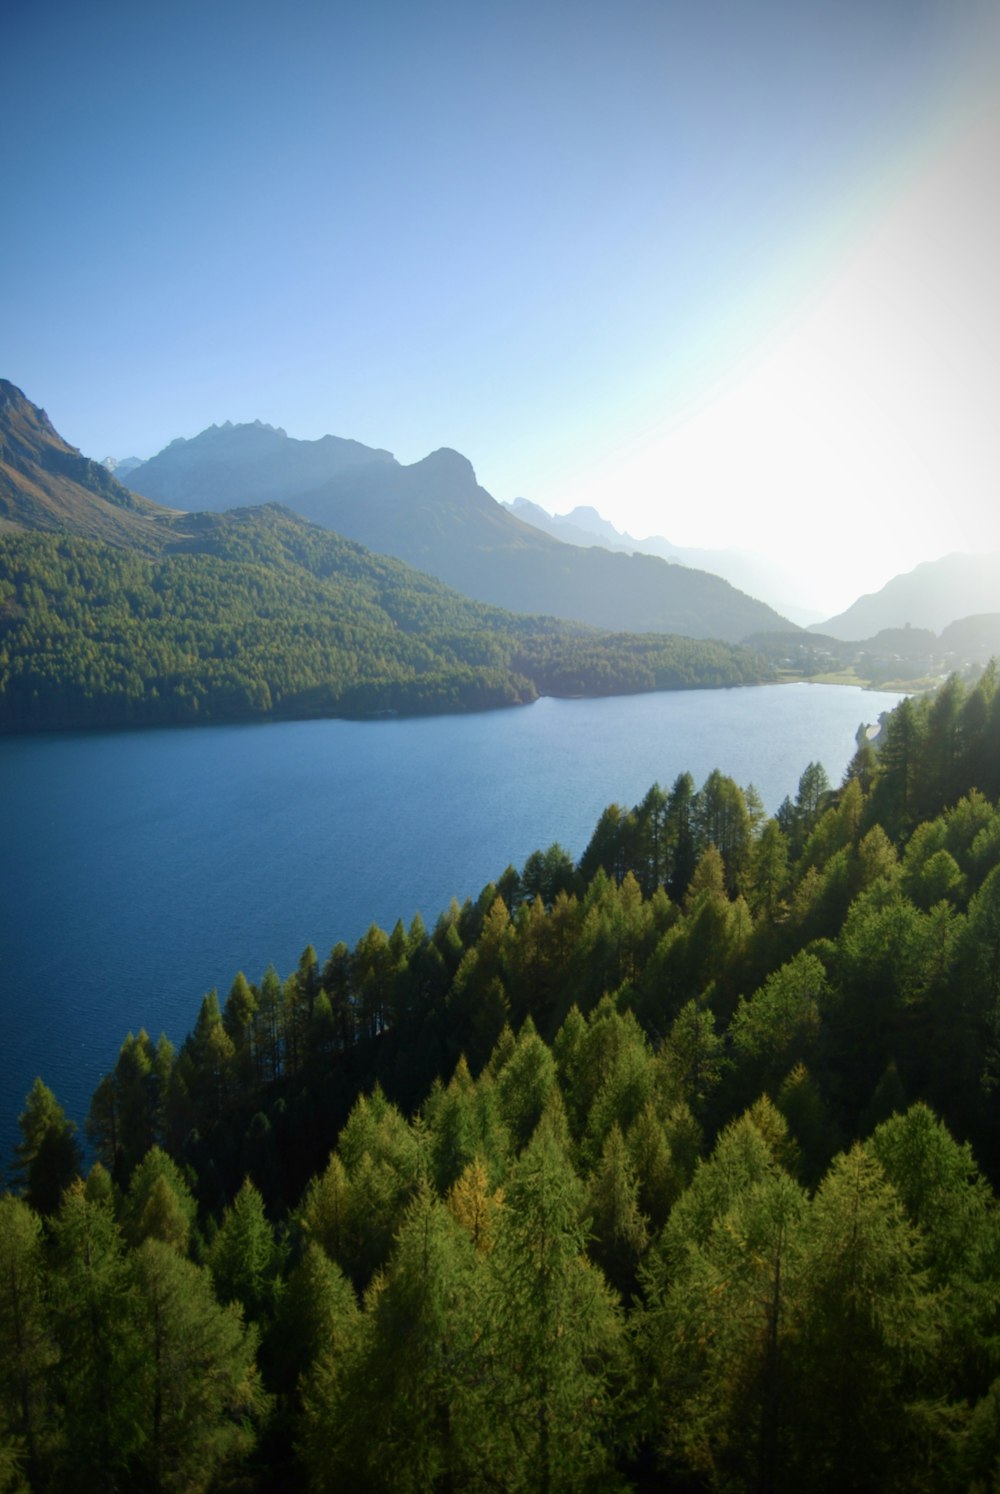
(721, 1292)
(48, 1156)
(243, 1256)
(692, 1057)
(407, 1372)
(317, 1315)
(681, 838)
(29, 1350)
(239, 1018)
(525, 1084)
(949, 1200)
(96, 1324)
(555, 1361)
(865, 1332)
(324, 1214)
(779, 1026)
(660, 1176)
(620, 1232)
(199, 1387)
(159, 1203)
(474, 1206)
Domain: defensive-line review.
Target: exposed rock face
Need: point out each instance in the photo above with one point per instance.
(46, 484)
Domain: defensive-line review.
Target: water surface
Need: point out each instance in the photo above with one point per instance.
(142, 868)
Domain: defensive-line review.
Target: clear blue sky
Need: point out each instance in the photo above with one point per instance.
(660, 257)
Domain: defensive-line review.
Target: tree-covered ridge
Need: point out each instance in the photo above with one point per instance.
(256, 613)
(655, 1170)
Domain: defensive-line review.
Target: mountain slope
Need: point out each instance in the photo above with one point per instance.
(933, 595)
(201, 616)
(46, 484)
(229, 466)
(434, 515)
(256, 613)
(755, 574)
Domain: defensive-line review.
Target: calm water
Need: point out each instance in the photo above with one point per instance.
(139, 869)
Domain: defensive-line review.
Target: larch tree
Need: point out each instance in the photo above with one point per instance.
(29, 1349)
(555, 1350)
(866, 1329)
(200, 1391)
(395, 1414)
(48, 1155)
(95, 1315)
(243, 1257)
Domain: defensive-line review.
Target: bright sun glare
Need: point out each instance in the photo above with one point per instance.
(863, 442)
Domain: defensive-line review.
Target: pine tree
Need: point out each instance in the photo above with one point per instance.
(949, 1200)
(525, 1084)
(324, 1214)
(474, 1206)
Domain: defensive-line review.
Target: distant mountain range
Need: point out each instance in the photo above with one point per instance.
(434, 515)
(932, 596)
(753, 573)
(117, 611)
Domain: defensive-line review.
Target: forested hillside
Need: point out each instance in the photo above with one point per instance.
(433, 514)
(256, 613)
(673, 1168)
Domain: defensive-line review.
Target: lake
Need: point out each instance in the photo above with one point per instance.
(142, 868)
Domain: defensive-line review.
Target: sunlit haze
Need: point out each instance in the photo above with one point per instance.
(727, 273)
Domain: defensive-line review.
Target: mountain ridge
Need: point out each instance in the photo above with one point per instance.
(933, 595)
(157, 616)
(747, 570)
(47, 484)
(435, 515)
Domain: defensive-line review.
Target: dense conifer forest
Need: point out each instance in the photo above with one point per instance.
(673, 1168)
(256, 613)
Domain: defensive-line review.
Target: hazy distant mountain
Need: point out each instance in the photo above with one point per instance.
(975, 639)
(434, 515)
(230, 466)
(749, 571)
(121, 466)
(117, 611)
(572, 529)
(585, 526)
(46, 484)
(934, 594)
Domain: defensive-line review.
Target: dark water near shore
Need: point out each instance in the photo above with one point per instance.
(139, 869)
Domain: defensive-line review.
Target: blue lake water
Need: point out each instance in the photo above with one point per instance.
(139, 869)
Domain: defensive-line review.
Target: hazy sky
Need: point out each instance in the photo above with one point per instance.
(727, 270)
